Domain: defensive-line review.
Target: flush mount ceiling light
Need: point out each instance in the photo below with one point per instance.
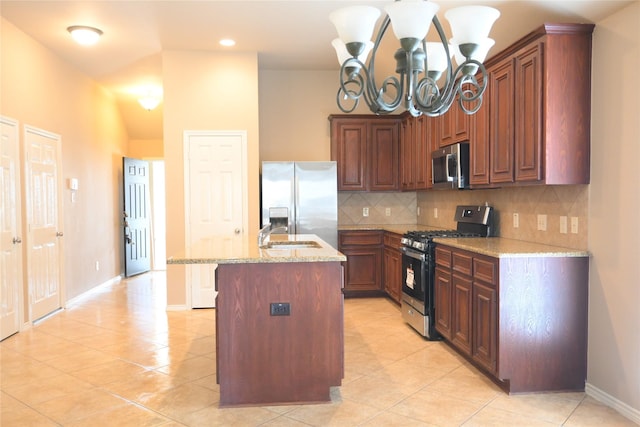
(149, 102)
(430, 93)
(84, 35)
(227, 42)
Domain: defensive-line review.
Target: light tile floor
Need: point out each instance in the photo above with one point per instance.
(116, 357)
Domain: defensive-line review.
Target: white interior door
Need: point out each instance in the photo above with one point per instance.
(44, 219)
(215, 198)
(11, 281)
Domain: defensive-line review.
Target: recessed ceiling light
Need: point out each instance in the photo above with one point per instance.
(84, 35)
(227, 42)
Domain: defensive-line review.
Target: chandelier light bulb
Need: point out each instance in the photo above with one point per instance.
(419, 65)
(84, 35)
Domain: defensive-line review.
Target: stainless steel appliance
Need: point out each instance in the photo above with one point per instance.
(301, 198)
(450, 167)
(418, 265)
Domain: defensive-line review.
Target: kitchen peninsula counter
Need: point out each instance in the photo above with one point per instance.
(279, 318)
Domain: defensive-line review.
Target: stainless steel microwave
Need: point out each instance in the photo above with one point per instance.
(450, 167)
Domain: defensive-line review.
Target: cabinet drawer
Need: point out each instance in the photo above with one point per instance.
(462, 263)
(392, 239)
(360, 238)
(485, 270)
(443, 257)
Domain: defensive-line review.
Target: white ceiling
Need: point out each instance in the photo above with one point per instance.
(294, 34)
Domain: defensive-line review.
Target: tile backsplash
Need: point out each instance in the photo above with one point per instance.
(554, 202)
(401, 208)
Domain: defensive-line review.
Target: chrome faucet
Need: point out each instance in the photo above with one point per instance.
(266, 232)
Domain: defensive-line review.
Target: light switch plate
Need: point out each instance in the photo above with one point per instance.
(516, 220)
(387, 212)
(563, 225)
(574, 224)
(365, 211)
(542, 222)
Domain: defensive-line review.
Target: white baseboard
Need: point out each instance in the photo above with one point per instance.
(77, 298)
(178, 307)
(624, 409)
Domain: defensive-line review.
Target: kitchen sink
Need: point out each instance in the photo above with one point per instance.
(303, 244)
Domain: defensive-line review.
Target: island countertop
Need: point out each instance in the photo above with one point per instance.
(245, 250)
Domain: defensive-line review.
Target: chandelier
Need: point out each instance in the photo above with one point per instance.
(432, 92)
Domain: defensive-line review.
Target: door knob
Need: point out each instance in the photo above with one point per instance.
(237, 231)
(16, 240)
(59, 234)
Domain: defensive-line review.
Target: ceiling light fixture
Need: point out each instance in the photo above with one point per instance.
(149, 102)
(227, 42)
(410, 20)
(84, 35)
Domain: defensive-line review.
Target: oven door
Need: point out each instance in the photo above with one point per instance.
(414, 273)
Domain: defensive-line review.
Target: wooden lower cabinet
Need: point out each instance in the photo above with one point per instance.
(521, 319)
(363, 268)
(392, 266)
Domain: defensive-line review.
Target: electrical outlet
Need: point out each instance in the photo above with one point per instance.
(97, 265)
(280, 309)
(365, 211)
(387, 212)
(563, 225)
(516, 220)
(574, 224)
(435, 212)
(542, 222)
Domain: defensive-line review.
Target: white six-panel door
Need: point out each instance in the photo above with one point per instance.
(44, 219)
(11, 281)
(215, 199)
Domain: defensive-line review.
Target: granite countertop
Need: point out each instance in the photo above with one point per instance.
(244, 249)
(500, 247)
(497, 247)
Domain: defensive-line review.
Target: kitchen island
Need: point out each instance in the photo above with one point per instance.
(279, 318)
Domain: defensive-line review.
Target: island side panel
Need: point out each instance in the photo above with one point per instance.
(265, 359)
(543, 323)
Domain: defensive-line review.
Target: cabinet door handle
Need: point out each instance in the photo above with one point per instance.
(16, 240)
(59, 234)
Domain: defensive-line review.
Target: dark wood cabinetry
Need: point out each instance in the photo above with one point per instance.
(539, 107)
(392, 266)
(522, 319)
(363, 268)
(367, 150)
(416, 137)
(453, 125)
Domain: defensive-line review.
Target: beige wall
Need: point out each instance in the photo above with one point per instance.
(39, 89)
(294, 114)
(614, 204)
(146, 149)
(205, 91)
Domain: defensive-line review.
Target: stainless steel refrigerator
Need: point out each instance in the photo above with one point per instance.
(301, 196)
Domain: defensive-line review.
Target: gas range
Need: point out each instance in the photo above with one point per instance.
(420, 239)
(418, 265)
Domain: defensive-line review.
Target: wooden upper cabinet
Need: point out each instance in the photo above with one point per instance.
(454, 125)
(479, 142)
(528, 109)
(501, 122)
(384, 148)
(367, 150)
(539, 110)
(415, 153)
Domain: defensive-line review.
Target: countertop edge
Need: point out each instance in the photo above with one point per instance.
(500, 247)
